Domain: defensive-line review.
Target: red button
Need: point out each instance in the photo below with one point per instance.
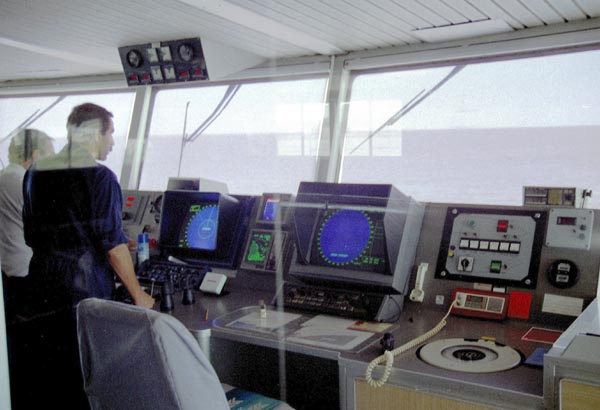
(502, 226)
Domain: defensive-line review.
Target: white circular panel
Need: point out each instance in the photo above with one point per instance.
(470, 356)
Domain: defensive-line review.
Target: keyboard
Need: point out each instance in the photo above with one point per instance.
(157, 272)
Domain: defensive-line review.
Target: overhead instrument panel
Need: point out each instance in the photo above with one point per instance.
(164, 62)
(494, 246)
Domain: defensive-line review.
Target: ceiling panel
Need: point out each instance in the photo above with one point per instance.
(64, 38)
(379, 16)
(567, 9)
(466, 9)
(545, 11)
(404, 14)
(355, 16)
(443, 9)
(22, 65)
(431, 17)
(589, 7)
(295, 15)
(520, 13)
(493, 10)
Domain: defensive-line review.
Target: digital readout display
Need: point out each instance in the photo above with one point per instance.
(566, 220)
(475, 300)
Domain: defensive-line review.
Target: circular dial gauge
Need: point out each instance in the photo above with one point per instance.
(134, 58)
(186, 52)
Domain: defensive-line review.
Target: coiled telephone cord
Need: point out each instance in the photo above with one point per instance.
(388, 355)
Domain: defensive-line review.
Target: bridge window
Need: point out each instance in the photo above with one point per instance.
(477, 133)
(50, 113)
(256, 137)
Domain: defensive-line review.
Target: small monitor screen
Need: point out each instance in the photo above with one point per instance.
(258, 246)
(262, 252)
(269, 211)
(351, 239)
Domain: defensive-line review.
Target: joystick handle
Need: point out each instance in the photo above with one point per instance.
(166, 301)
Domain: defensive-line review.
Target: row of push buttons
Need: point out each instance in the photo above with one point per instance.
(167, 74)
(486, 245)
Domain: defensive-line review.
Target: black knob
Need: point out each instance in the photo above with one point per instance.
(387, 342)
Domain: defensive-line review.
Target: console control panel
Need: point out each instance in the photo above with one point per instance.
(339, 302)
(481, 304)
(489, 245)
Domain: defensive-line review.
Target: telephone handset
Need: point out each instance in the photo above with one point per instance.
(388, 355)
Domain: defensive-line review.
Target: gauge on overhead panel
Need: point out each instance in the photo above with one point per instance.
(134, 58)
(186, 52)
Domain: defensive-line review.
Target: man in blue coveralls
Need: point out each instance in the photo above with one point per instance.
(72, 220)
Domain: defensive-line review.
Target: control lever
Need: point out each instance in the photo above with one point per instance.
(417, 294)
(188, 294)
(166, 300)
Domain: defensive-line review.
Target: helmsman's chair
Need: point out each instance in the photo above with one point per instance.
(137, 358)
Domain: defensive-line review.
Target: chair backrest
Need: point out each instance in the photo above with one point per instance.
(136, 358)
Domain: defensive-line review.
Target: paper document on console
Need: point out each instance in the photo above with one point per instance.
(272, 321)
(329, 322)
(329, 332)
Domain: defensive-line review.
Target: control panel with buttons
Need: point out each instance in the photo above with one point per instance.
(492, 245)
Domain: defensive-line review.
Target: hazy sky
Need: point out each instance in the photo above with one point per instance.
(560, 90)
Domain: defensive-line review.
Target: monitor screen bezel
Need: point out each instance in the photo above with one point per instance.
(233, 218)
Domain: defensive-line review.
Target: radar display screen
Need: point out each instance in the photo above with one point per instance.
(350, 239)
(200, 228)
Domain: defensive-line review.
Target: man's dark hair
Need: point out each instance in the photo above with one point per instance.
(88, 111)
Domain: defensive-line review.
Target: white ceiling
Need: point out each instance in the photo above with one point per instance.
(42, 39)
